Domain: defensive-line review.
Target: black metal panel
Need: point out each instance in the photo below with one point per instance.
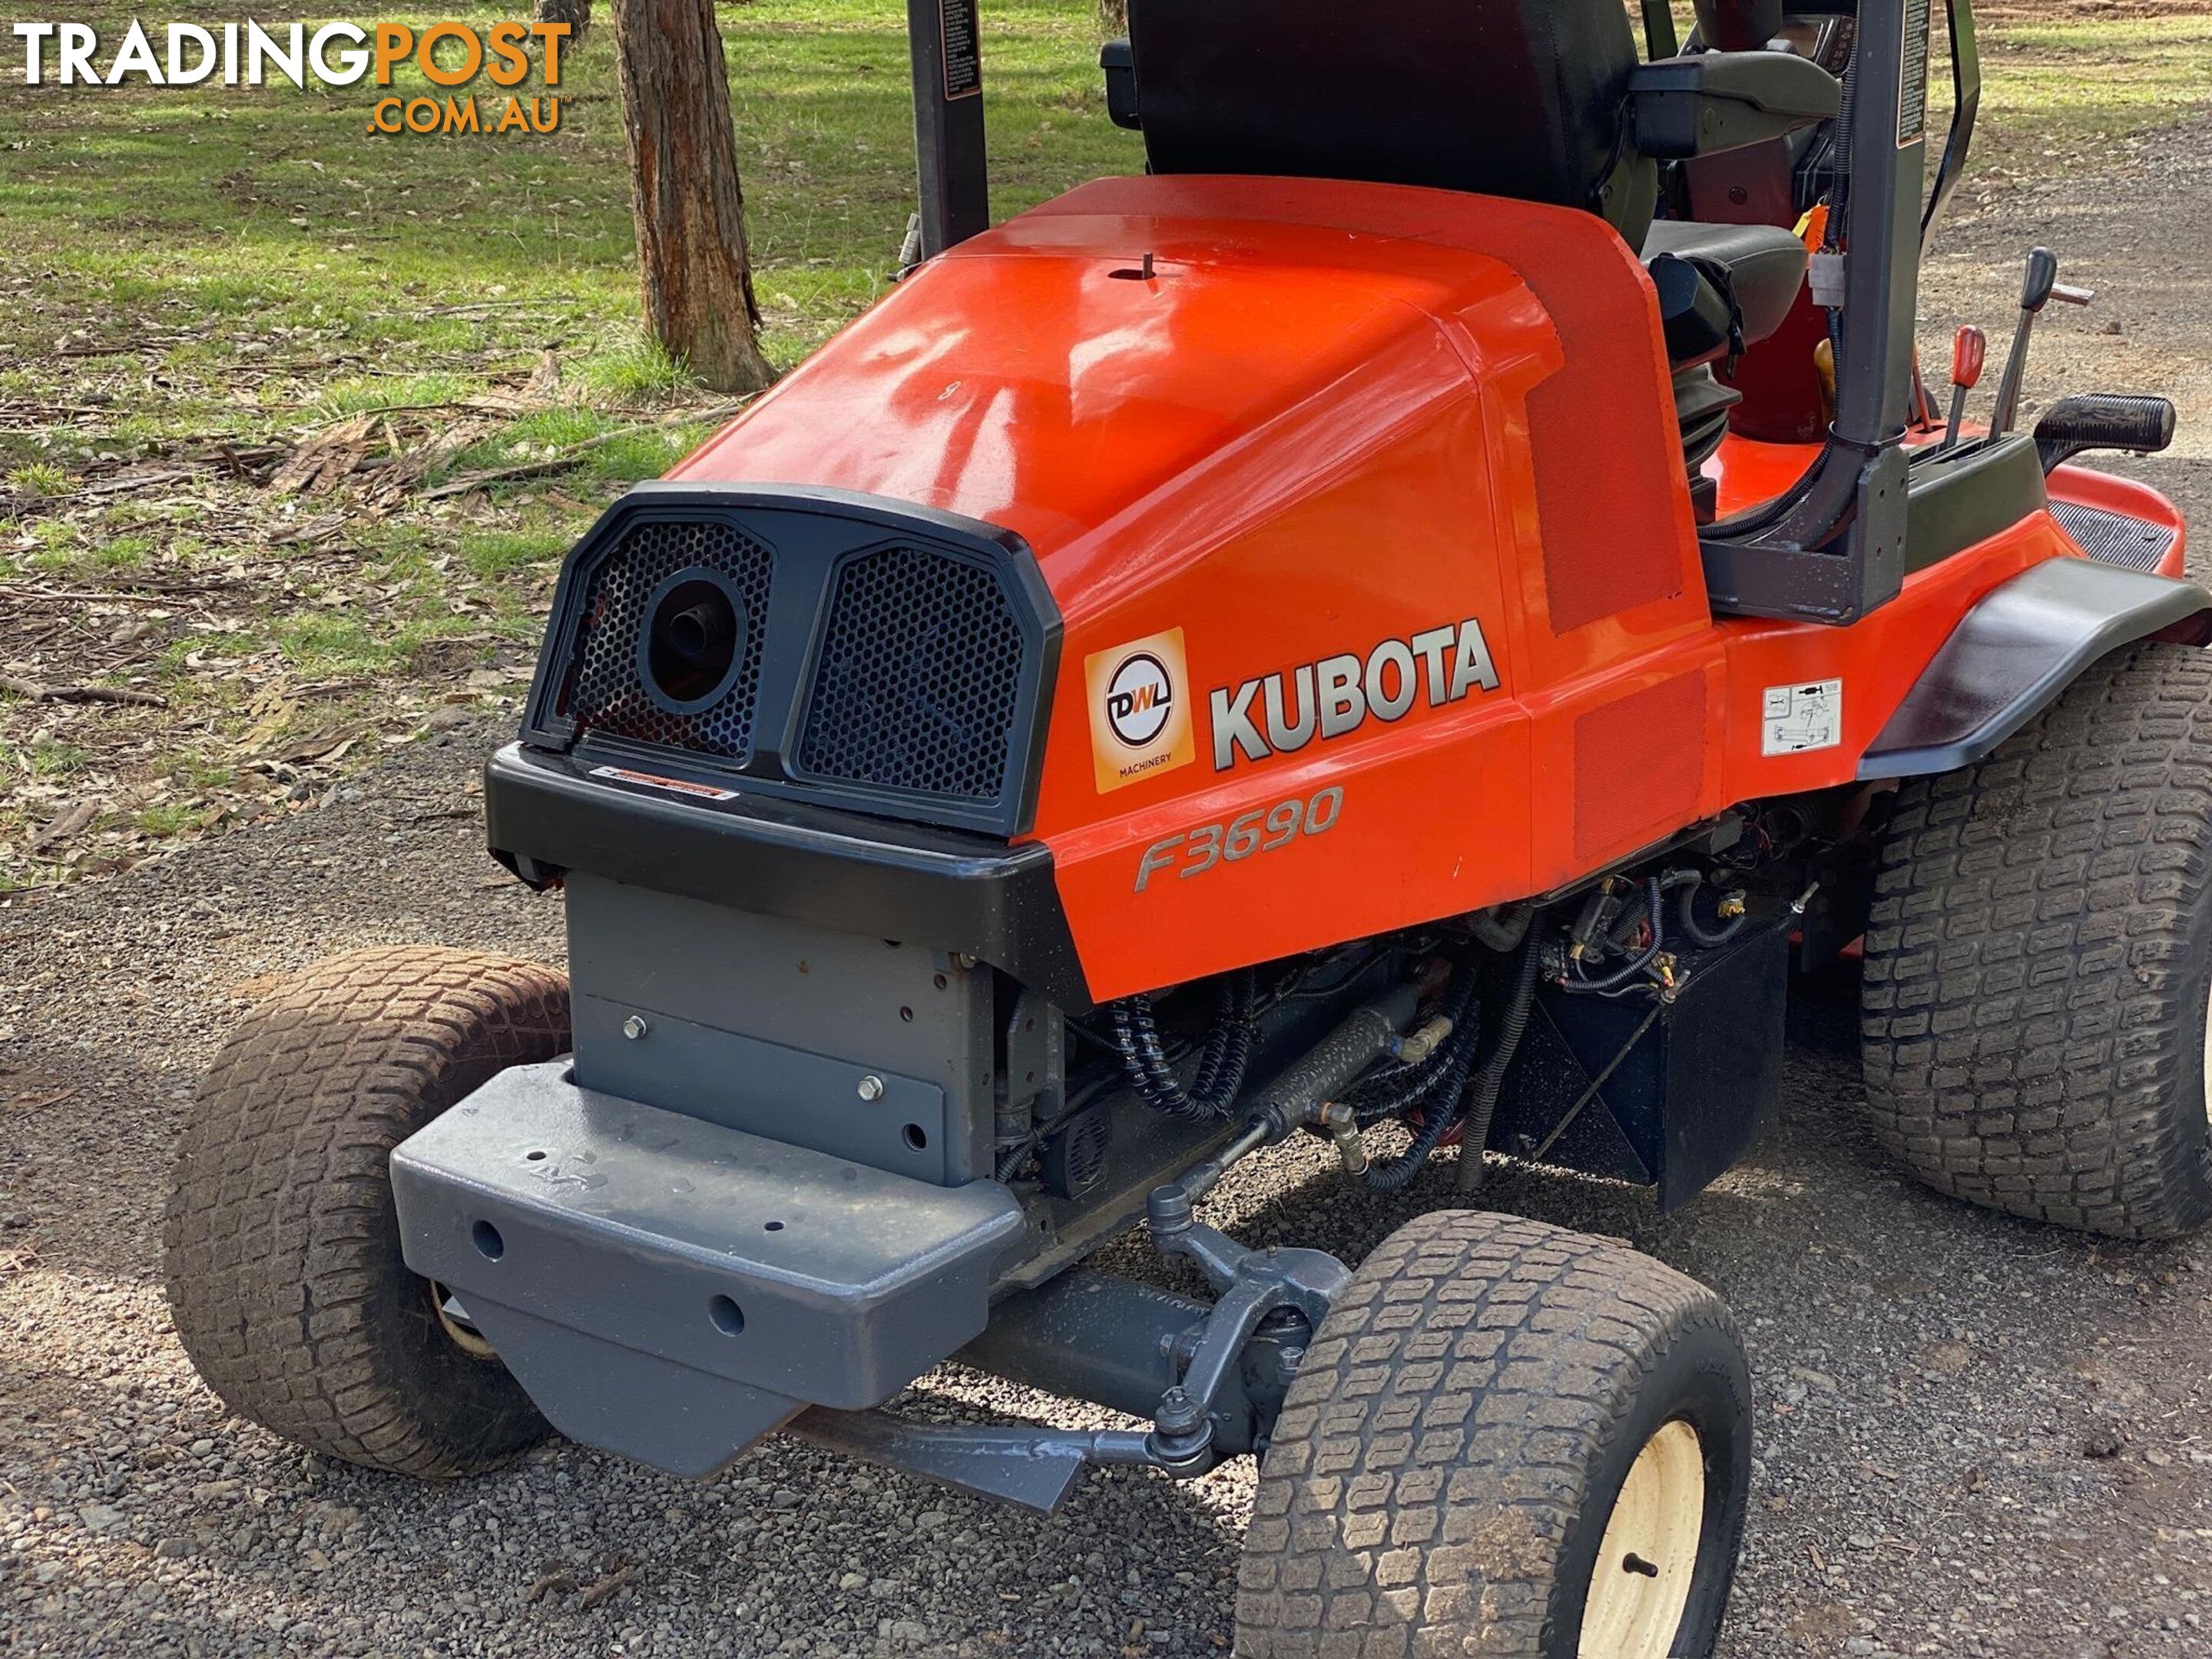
(546, 815)
(2015, 651)
(1692, 1082)
(926, 642)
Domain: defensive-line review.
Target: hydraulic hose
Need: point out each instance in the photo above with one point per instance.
(1439, 1113)
(1395, 1093)
(1621, 976)
(1436, 1091)
(1686, 914)
(1482, 1105)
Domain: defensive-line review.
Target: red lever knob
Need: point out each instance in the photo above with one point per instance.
(1968, 353)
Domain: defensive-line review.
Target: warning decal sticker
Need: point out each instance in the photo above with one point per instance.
(962, 38)
(1912, 76)
(654, 780)
(1798, 718)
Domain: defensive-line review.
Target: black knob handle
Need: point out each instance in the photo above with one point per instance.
(2042, 277)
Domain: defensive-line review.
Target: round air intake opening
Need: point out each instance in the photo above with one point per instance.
(693, 642)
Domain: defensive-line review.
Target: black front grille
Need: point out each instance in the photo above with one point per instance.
(2114, 537)
(609, 695)
(921, 665)
(873, 655)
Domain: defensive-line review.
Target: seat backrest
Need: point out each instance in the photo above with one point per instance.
(1519, 98)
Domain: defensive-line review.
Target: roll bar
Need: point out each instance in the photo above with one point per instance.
(1832, 547)
(947, 39)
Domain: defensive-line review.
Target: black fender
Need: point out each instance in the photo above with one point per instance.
(2022, 645)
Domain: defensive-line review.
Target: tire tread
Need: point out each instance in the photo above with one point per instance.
(279, 1234)
(1434, 1449)
(2031, 1020)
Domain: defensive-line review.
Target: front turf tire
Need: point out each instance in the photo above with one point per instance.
(281, 1245)
(2039, 964)
(1447, 1472)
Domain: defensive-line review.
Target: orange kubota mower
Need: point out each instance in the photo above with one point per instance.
(1396, 624)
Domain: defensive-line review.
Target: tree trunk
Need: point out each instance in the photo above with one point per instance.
(693, 267)
(1113, 17)
(576, 14)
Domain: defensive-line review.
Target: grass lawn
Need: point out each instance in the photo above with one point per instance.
(246, 349)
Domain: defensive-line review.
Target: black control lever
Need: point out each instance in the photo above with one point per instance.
(2041, 286)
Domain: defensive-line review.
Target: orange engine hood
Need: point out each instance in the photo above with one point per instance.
(1035, 378)
(1336, 422)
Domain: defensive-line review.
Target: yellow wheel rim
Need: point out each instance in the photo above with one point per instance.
(463, 1335)
(1649, 1556)
(2205, 1077)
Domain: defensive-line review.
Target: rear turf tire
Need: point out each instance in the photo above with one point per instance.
(1494, 1417)
(281, 1245)
(2038, 963)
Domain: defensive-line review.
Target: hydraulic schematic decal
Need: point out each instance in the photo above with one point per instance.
(1798, 718)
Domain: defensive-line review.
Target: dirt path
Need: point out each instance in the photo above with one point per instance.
(1977, 1437)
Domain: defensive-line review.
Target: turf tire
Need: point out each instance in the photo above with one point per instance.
(2039, 962)
(1446, 1461)
(281, 1245)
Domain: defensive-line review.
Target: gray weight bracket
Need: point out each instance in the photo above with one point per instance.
(671, 1289)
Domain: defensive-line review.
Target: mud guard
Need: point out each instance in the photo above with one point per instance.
(2020, 645)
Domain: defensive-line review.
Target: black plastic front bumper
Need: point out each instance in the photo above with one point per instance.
(547, 814)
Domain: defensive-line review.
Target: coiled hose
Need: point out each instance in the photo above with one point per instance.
(1223, 1058)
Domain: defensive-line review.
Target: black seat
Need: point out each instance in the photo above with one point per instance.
(1529, 98)
(1519, 98)
(1721, 288)
(1763, 265)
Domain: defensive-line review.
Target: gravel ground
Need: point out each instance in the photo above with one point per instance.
(1977, 1437)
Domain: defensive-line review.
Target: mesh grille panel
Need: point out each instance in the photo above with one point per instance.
(920, 669)
(2114, 537)
(608, 695)
(1639, 766)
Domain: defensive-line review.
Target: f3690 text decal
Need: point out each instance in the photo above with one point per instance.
(1263, 829)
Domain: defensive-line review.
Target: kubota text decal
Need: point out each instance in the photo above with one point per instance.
(1278, 713)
